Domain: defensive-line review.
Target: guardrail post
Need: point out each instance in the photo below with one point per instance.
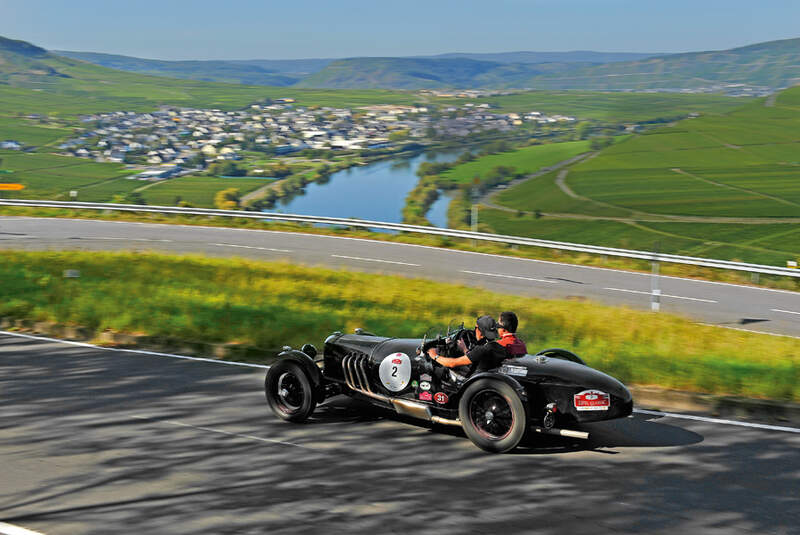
(754, 277)
(655, 291)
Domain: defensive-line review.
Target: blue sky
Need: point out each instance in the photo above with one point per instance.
(246, 29)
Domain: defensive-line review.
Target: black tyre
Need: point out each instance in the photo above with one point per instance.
(492, 415)
(289, 392)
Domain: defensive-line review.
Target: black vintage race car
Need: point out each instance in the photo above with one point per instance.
(543, 393)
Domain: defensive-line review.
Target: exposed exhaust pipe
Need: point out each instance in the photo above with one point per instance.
(445, 421)
(562, 432)
(355, 377)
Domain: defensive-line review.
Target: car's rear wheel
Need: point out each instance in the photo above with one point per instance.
(289, 392)
(492, 415)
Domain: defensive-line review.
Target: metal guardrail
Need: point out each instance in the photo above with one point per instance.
(401, 227)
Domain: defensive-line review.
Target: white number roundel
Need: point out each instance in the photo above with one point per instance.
(395, 371)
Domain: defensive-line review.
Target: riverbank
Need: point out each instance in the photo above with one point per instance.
(473, 176)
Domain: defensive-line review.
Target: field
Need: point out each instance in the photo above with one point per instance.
(525, 160)
(769, 244)
(613, 107)
(268, 305)
(196, 190)
(28, 133)
(724, 186)
(47, 176)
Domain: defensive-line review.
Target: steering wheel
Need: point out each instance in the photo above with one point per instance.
(462, 337)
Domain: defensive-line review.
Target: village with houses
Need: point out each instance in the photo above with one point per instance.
(176, 141)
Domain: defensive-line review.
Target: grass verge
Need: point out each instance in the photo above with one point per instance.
(271, 304)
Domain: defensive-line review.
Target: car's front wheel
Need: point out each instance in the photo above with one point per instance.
(492, 415)
(289, 391)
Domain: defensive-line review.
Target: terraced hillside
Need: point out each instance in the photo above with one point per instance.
(725, 186)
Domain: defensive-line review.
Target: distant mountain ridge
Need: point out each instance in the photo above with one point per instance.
(760, 68)
(22, 48)
(443, 70)
(575, 56)
(456, 68)
(20, 60)
(241, 72)
(773, 64)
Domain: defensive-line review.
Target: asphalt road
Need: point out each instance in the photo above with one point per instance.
(102, 441)
(728, 305)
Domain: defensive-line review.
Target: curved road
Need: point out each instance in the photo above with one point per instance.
(727, 305)
(96, 441)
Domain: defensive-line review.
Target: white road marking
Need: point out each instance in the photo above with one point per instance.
(252, 247)
(10, 529)
(232, 363)
(121, 239)
(662, 295)
(750, 330)
(220, 431)
(719, 421)
(507, 276)
(785, 311)
(374, 260)
(138, 351)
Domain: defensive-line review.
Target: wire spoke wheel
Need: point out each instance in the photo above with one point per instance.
(493, 415)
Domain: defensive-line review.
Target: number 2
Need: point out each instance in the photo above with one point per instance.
(394, 371)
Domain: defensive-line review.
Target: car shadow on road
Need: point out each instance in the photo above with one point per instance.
(635, 431)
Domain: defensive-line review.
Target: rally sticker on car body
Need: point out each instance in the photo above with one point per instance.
(395, 371)
(592, 400)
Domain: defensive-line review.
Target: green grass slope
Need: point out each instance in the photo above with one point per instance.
(268, 305)
(525, 160)
(723, 186)
(197, 190)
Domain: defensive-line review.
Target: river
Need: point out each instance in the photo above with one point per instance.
(374, 192)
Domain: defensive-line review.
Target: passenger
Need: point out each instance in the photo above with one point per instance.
(507, 329)
(485, 355)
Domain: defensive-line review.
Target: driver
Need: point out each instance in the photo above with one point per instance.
(485, 355)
